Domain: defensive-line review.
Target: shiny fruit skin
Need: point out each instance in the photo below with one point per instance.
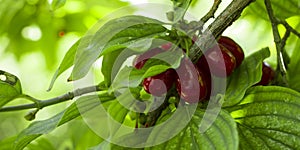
(268, 74)
(141, 59)
(221, 61)
(234, 48)
(160, 84)
(203, 67)
(190, 83)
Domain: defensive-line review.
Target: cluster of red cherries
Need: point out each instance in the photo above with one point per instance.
(220, 61)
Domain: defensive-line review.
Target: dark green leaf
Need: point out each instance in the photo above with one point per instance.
(66, 63)
(39, 128)
(10, 87)
(57, 4)
(106, 40)
(282, 9)
(222, 134)
(248, 74)
(268, 118)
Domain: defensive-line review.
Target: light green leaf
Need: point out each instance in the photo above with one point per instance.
(8, 143)
(66, 63)
(268, 118)
(106, 40)
(293, 68)
(245, 76)
(221, 135)
(39, 128)
(57, 4)
(10, 87)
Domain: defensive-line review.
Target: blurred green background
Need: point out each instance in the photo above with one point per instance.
(34, 38)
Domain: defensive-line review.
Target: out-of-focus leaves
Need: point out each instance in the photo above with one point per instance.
(282, 9)
(293, 69)
(10, 87)
(57, 4)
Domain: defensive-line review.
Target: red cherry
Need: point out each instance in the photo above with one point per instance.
(221, 61)
(190, 83)
(203, 67)
(141, 59)
(268, 74)
(233, 47)
(159, 84)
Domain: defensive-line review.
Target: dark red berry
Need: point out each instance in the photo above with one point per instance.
(141, 59)
(268, 74)
(159, 84)
(233, 47)
(221, 61)
(203, 67)
(190, 83)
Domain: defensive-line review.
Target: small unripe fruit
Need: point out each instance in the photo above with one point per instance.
(268, 74)
(233, 47)
(221, 61)
(159, 84)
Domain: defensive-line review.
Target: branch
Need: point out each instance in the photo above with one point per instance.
(224, 20)
(41, 104)
(288, 27)
(211, 12)
(278, 41)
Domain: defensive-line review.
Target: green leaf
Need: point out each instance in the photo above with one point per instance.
(282, 9)
(57, 4)
(221, 135)
(293, 68)
(106, 40)
(39, 128)
(268, 118)
(66, 63)
(8, 143)
(42, 143)
(10, 87)
(245, 76)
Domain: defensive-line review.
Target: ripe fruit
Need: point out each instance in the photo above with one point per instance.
(141, 59)
(159, 84)
(221, 61)
(203, 67)
(268, 74)
(190, 84)
(233, 47)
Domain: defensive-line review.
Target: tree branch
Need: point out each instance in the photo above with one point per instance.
(278, 41)
(41, 104)
(224, 20)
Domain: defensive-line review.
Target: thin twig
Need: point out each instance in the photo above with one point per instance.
(212, 11)
(288, 27)
(52, 101)
(278, 41)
